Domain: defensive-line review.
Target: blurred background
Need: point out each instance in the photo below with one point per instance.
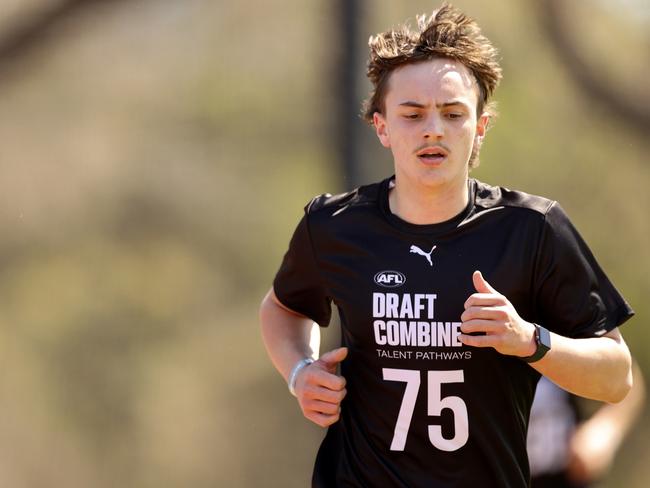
(155, 159)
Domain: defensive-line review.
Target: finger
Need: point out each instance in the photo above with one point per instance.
(324, 420)
(331, 396)
(333, 382)
(484, 299)
(325, 408)
(474, 326)
(325, 394)
(332, 358)
(484, 313)
(481, 285)
(476, 341)
(315, 378)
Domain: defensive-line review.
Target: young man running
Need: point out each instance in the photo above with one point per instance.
(454, 295)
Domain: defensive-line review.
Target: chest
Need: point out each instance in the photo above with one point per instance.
(384, 274)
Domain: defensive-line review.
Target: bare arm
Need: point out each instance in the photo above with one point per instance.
(597, 368)
(596, 441)
(286, 334)
(289, 337)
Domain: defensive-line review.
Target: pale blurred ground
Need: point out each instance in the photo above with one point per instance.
(154, 159)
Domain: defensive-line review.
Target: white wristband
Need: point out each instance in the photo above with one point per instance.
(294, 374)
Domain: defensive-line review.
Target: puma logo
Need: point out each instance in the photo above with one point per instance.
(417, 250)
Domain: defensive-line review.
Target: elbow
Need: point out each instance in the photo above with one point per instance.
(266, 312)
(620, 393)
(623, 386)
(264, 304)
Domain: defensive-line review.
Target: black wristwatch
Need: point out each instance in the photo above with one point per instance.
(543, 342)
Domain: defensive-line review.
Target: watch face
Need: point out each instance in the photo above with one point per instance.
(543, 338)
(543, 342)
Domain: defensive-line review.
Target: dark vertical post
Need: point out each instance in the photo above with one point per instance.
(348, 69)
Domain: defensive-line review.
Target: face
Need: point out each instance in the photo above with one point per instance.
(430, 123)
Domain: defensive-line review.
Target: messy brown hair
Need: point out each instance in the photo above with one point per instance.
(447, 33)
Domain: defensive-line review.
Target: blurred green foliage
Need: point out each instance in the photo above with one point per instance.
(155, 159)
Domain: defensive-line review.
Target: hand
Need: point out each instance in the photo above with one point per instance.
(490, 312)
(320, 390)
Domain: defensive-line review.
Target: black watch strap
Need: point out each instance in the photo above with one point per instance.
(543, 342)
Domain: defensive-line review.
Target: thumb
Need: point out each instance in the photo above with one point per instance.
(481, 285)
(334, 357)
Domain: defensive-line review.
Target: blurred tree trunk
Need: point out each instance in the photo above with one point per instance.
(346, 69)
(36, 28)
(634, 112)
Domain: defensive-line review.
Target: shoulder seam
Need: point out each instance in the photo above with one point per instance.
(312, 203)
(551, 204)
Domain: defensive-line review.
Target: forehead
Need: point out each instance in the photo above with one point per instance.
(437, 80)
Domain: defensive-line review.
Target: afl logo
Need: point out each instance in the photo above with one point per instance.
(390, 279)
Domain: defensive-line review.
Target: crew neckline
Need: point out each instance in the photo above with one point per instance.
(409, 227)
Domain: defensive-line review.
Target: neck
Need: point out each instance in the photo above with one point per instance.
(429, 206)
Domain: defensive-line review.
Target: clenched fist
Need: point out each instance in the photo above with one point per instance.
(320, 390)
(490, 312)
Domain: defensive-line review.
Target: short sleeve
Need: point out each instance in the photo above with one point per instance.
(298, 283)
(574, 297)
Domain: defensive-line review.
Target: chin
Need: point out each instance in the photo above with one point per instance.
(433, 177)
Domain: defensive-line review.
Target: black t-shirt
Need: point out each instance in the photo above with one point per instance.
(423, 410)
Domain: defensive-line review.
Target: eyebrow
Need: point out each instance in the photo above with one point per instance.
(410, 103)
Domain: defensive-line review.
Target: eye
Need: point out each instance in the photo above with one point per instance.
(412, 116)
(454, 115)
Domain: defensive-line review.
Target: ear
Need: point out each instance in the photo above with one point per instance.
(482, 126)
(381, 129)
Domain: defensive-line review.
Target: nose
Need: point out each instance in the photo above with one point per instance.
(433, 129)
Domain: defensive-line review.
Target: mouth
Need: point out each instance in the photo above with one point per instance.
(434, 154)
